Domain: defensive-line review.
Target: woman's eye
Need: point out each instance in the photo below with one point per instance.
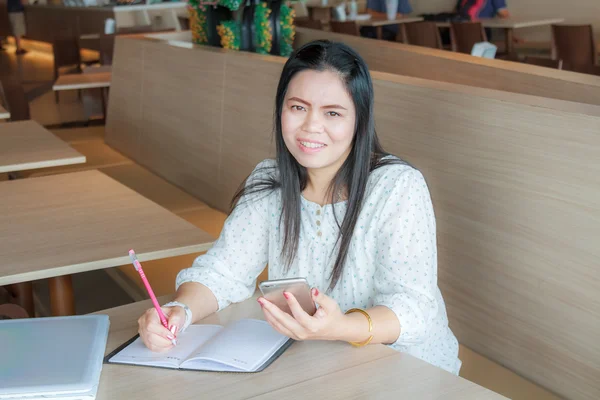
(297, 107)
(333, 114)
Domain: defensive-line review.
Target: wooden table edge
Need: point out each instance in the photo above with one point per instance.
(59, 162)
(380, 22)
(107, 263)
(79, 86)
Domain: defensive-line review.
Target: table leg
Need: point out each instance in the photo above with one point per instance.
(379, 32)
(62, 301)
(103, 98)
(23, 292)
(403, 34)
(509, 41)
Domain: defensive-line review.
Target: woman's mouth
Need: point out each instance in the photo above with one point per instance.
(311, 147)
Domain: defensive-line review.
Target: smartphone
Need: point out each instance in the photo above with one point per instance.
(273, 291)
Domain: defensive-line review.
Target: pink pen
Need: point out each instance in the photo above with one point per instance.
(138, 268)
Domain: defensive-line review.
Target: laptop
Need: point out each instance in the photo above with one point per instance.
(57, 357)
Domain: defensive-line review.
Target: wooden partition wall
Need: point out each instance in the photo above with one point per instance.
(447, 66)
(515, 182)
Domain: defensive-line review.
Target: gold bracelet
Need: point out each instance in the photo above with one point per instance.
(366, 314)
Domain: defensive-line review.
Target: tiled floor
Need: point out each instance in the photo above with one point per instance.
(102, 289)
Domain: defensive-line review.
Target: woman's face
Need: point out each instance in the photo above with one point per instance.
(318, 119)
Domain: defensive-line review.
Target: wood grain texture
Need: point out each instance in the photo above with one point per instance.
(124, 127)
(446, 66)
(154, 188)
(78, 135)
(171, 113)
(317, 369)
(514, 180)
(26, 145)
(84, 221)
(97, 155)
(248, 103)
(515, 193)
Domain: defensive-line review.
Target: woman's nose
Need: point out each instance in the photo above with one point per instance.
(313, 123)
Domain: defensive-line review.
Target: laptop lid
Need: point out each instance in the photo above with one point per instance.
(57, 355)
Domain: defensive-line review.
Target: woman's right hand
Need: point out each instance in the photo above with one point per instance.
(154, 335)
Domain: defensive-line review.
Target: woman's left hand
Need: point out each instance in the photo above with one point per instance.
(324, 325)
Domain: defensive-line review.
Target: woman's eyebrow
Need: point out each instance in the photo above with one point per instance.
(337, 106)
(299, 100)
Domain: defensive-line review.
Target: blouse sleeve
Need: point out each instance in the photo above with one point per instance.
(406, 275)
(230, 268)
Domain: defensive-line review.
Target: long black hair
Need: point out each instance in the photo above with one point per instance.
(365, 156)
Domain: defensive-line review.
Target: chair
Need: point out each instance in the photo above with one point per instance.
(13, 96)
(574, 44)
(66, 54)
(309, 23)
(465, 35)
(424, 34)
(106, 48)
(544, 62)
(345, 27)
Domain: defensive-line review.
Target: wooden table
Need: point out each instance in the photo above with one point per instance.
(58, 225)
(27, 145)
(509, 25)
(307, 370)
(3, 113)
(82, 81)
(380, 23)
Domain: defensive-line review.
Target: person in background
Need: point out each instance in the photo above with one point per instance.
(377, 9)
(477, 9)
(17, 22)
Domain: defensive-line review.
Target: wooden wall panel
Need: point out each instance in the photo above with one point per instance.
(182, 114)
(247, 126)
(125, 124)
(514, 180)
(446, 66)
(517, 199)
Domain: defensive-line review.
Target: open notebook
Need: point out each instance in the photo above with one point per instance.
(247, 345)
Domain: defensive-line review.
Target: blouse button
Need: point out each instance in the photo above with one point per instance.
(318, 212)
(318, 223)
(319, 234)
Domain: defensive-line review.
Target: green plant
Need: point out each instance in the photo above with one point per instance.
(198, 22)
(263, 32)
(230, 32)
(288, 31)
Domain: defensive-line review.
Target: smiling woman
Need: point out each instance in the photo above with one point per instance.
(334, 208)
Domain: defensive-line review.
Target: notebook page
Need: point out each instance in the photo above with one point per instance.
(187, 343)
(245, 345)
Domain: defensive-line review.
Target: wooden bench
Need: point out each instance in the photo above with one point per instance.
(511, 176)
(447, 66)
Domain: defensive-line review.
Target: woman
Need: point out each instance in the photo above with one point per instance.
(334, 208)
